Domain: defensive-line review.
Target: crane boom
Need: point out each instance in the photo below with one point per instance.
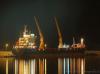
(42, 45)
(59, 34)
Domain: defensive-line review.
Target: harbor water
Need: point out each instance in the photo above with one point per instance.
(51, 65)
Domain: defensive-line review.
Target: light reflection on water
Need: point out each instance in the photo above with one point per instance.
(71, 66)
(45, 66)
(32, 66)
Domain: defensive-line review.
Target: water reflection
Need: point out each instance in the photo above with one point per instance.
(42, 66)
(33, 66)
(71, 65)
(6, 66)
(39, 66)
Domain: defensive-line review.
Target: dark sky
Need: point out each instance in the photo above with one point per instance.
(79, 18)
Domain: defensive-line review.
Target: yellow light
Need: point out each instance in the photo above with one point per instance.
(7, 66)
(82, 40)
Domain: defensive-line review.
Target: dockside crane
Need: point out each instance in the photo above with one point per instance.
(59, 34)
(42, 45)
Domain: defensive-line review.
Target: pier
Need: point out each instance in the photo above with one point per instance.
(92, 52)
(47, 53)
(6, 54)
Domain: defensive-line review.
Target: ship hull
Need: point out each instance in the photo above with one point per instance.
(24, 51)
(48, 52)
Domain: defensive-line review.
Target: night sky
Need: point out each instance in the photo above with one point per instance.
(78, 18)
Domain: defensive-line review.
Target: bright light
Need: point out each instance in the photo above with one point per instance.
(82, 40)
(32, 35)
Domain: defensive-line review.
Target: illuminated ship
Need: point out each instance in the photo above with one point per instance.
(78, 45)
(75, 47)
(26, 44)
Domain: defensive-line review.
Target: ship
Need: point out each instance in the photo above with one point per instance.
(26, 43)
(74, 48)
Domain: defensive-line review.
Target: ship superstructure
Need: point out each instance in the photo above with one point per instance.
(78, 45)
(27, 40)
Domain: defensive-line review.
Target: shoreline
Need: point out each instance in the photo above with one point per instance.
(4, 54)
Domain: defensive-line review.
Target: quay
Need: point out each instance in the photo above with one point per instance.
(92, 52)
(55, 53)
(6, 54)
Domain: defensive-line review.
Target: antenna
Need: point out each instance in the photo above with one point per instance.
(25, 30)
(73, 40)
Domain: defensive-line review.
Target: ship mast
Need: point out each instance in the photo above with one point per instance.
(59, 34)
(25, 30)
(73, 40)
(42, 45)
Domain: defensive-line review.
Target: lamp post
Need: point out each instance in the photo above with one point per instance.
(6, 46)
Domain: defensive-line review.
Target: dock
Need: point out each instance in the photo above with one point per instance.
(6, 54)
(92, 52)
(10, 54)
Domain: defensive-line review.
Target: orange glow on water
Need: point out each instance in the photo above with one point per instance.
(71, 66)
(7, 66)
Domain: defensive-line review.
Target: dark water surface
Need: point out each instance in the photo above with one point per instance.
(51, 65)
